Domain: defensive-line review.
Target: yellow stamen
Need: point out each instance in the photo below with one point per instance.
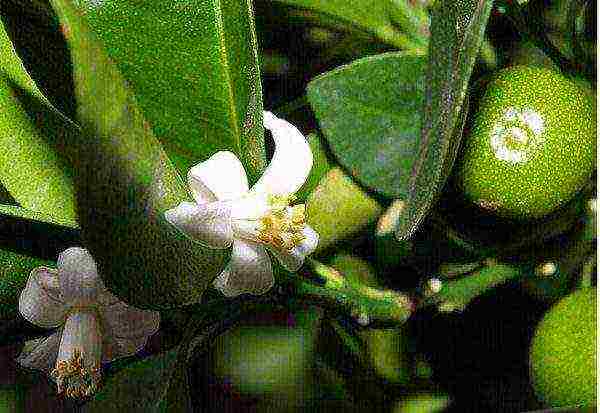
(74, 378)
(282, 227)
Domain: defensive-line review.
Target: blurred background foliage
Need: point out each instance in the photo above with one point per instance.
(451, 356)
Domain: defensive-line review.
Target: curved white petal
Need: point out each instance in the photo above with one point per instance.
(250, 207)
(80, 345)
(249, 271)
(293, 260)
(221, 177)
(209, 224)
(291, 161)
(78, 277)
(40, 301)
(123, 321)
(40, 354)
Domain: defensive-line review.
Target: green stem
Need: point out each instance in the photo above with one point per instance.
(455, 295)
(365, 304)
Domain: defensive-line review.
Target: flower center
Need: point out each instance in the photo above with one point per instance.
(74, 378)
(282, 226)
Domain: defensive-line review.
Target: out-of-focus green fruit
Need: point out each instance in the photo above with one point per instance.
(563, 352)
(532, 145)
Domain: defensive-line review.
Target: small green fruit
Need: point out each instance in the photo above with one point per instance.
(563, 352)
(532, 145)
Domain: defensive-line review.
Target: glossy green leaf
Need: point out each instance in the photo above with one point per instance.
(193, 67)
(34, 216)
(370, 113)
(125, 183)
(30, 168)
(383, 19)
(457, 29)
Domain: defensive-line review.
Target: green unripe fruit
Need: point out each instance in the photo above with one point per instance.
(532, 145)
(563, 352)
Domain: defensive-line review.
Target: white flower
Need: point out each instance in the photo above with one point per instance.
(253, 220)
(94, 326)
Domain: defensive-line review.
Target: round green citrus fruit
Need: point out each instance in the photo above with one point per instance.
(563, 352)
(532, 144)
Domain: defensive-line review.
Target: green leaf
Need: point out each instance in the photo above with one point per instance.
(457, 29)
(379, 18)
(370, 113)
(135, 388)
(193, 68)
(125, 183)
(30, 167)
(34, 216)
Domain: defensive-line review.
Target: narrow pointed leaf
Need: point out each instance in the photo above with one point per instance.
(193, 67)
(457, 29)
(125, 182)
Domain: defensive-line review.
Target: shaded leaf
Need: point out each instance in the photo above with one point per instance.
(125, 183)
(135, 388)
(193, 68)
(370, 113)
(457, 29)
(379, 18)
(30, 167)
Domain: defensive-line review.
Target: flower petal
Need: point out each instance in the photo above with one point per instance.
(124, 321)
(221, 177)
(78, 277)
(249, 271)
(40, 301)
(40, 354)
(116, 348)
(293, 260)
(291, 161)
(209, 224)
(78, 369)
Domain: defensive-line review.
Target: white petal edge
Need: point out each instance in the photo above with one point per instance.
(249, 271)
(40, 302)
(293, 260)
(292, 159)
(78, 277)
(208, 224)
(221, 177)
(40, 354)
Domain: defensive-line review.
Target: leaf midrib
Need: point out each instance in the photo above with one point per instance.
(233, 115)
